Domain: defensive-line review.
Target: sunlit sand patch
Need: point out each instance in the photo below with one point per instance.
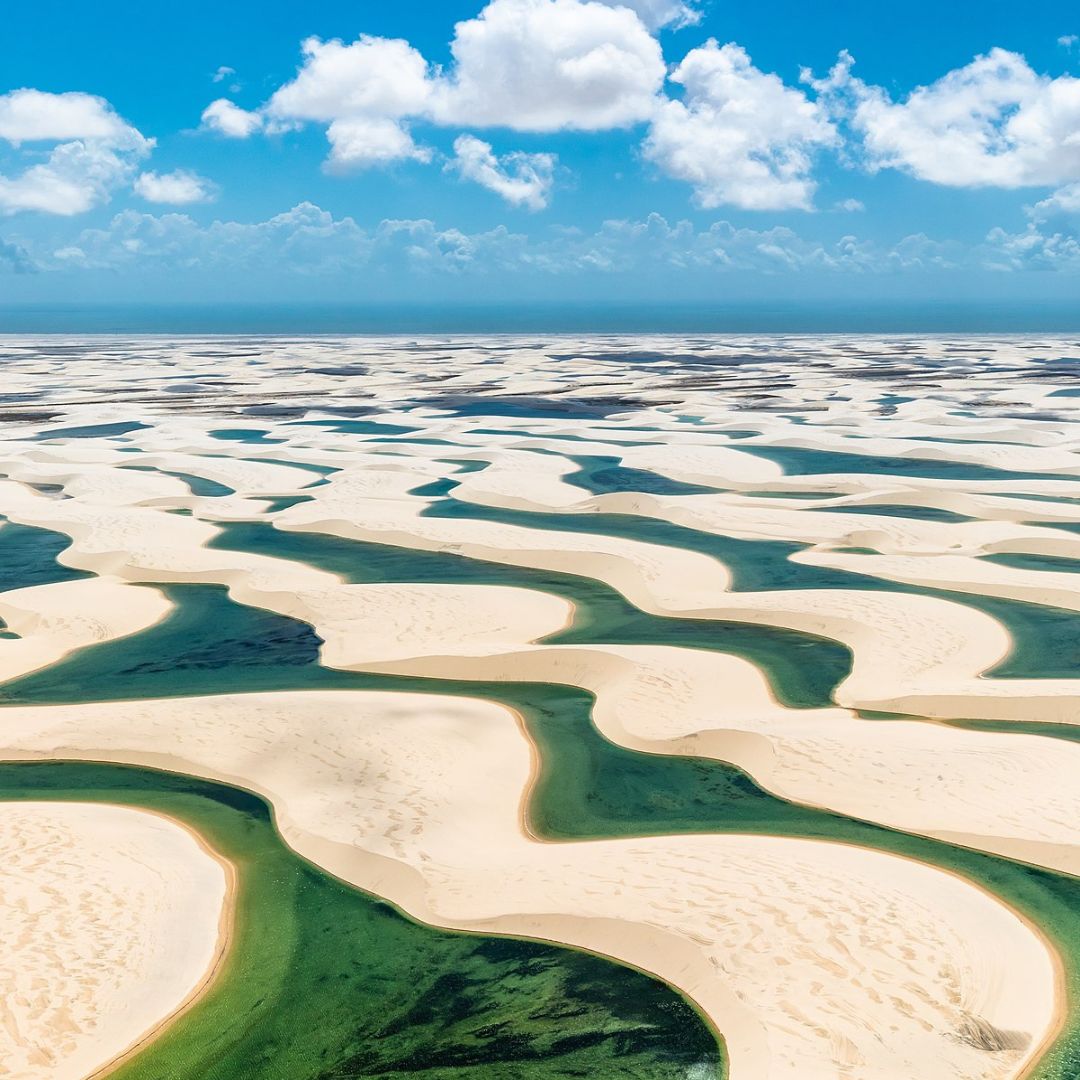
(112, 920)
(144, 545)
(913, 654)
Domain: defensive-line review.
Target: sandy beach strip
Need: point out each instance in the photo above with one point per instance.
(1003, 793)
(914, 654)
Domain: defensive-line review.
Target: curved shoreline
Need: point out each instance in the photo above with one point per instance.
(116, 916)
(226, 931)
(1061, 996)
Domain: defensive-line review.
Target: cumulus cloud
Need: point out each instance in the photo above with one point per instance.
(178, 188)
(527, 65)
(361, 142)
(362, 91)
(992, 123)
(35, 116)
(1050, 241)
(550, 65)
(75, 177)
(1032, 249)
(1065, 200)
(723, 247)
(739, 136)
(372, 77)
(520, 179)
(222, 73)
(227, 118)
(175, 240)
(305, 240)
(94, 151)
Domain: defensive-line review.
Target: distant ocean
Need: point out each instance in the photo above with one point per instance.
(549, 318)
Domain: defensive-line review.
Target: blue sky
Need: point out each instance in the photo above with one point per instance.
(540, 150)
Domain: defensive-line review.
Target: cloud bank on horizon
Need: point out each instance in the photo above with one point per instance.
(528, 101)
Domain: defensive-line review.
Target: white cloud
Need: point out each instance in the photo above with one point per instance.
(1050, 241)
(305, 240)
(362, 91)
(75, 177)
(740, 136)
(228, 119)
(850, 206)
(1065, 200)
(1032, 249)
(520, 179)
(372, 77)
(550, 65)
(222, 74)
(528, 65)
(95, 151)
(993, 123)
(422, 247)
(35, 116)
(175, 240)
(178, 188)
(1067, 41)
(361, 142)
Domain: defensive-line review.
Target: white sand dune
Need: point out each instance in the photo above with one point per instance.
(139, 544)
(53, 620)
(789, 946)
(111, 920)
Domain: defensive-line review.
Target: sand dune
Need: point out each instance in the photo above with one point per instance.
(913, 654)
(112, 918)
(1007, 794)
(51, 621)
(138, 544)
